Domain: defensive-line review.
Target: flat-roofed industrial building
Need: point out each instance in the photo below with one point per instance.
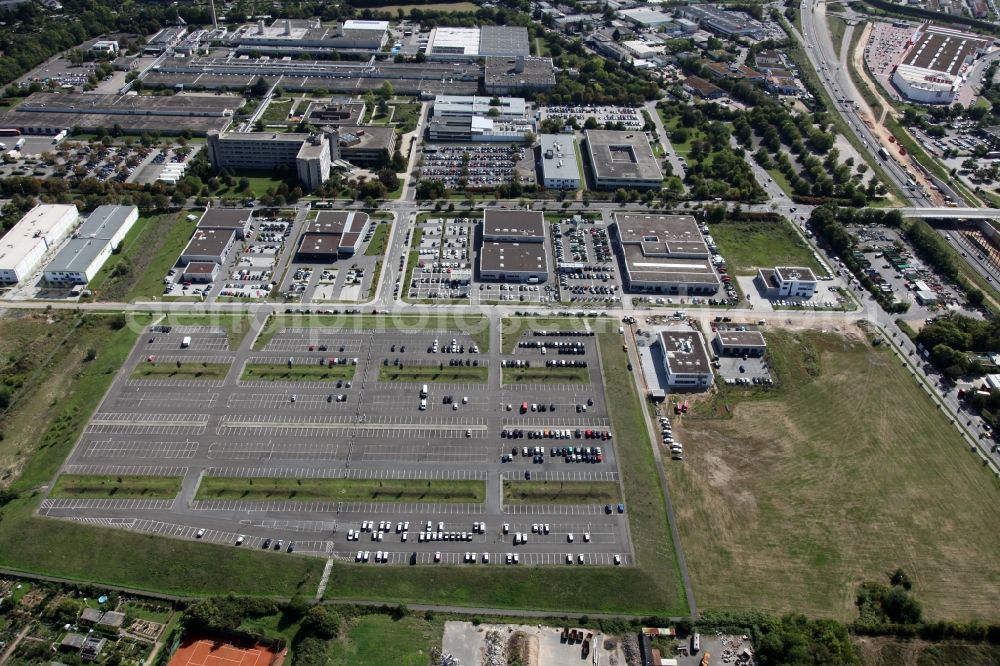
(685, 360)
(37, 233)
(513, 247)
(558, 158)
(232, 219)
(51, 113)
(739, 343)
(622, 159)
(211, 245)
(664, 254)
(518, 74)
(513, 226)
(513, 262)
(333, 234)
(92, 243)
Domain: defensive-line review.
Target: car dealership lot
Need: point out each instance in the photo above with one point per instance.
(381, 415)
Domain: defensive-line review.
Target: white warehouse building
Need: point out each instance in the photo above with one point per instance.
(100, 235)
(560, 168)
(37, 233)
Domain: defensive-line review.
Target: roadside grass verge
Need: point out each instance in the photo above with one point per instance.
(376, 246)
(561, 492)
(281, 372)
(347, 490)
(748, 246)
(376, 276)
(81, 486)
(433, 373)
(546, 375)
(653, 586)
(180, 370)
(788, 498)
(476, 326)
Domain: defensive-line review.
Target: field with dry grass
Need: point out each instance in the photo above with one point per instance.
(789, 498)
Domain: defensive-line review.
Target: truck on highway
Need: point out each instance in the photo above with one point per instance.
(883, 153)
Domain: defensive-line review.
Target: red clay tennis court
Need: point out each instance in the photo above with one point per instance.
(212, 652)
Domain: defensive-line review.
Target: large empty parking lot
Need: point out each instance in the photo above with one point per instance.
(316, 435)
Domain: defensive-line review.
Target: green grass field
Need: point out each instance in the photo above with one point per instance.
(475, 325)
(364, 642)
(277, 111)
(561, 492)
(167, 370)
(280, 372)
(432, 373)
(341, 490)
(376, 246)
(155, 252)
(80, 486)
(653, 586)
(544, 375)
(789, 498)
(748, 246)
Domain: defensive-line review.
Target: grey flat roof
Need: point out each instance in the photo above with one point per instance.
(90, 239)
(208, 242)
(225, 218)
(523, 223)
(535, 72)
(666, 269)
(503, 40)
(661, 235)
(513, 258)
(337, 222)
(563, 162)
(203, 267)
(371, 137)
(622, 155)
(93, 121)
(741, 338)
(685, 352)
(212, 105)
(795, 274)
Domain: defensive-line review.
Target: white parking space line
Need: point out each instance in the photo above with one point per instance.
(144, 400)
(115, 504)
(112, 448)
(175, 383)
(585, 475)
(553, 509)
(273, 451)
(341, 473)
(126, 470)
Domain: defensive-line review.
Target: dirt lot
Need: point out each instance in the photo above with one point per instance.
(537, 645)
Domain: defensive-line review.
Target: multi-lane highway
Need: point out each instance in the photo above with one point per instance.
(835, 76)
